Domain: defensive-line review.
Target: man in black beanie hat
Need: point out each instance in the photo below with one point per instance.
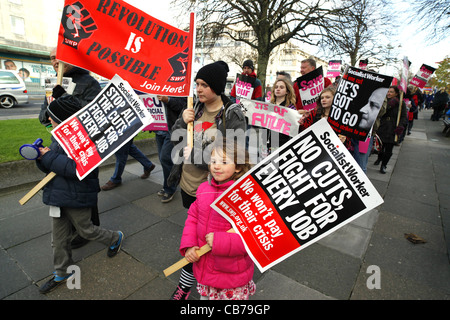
(248, 75)
(85, 90)
(249, 64)
(62, 108)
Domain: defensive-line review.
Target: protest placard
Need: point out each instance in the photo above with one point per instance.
(271, 116)
(95, 132)
(363, 63)
(358, 99)
(158, 112)
(310, 86)
(113, 37)
(307, 189)
(404, 78)
(334, 68)
(244, 86)
(422, 76)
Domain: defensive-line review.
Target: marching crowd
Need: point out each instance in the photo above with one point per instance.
(226, 272)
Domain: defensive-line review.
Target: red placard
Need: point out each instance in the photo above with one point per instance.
(305, 190)
(269, 238)
(103, 126)
(113, 37)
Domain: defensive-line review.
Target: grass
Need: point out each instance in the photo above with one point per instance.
(15, 133)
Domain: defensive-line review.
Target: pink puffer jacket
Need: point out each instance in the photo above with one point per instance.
(227, 265)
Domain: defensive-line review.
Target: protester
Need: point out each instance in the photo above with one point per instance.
(428, 100)
(249, 69)
(439, 104)
(226, 272)
(86, 89)
(212, 115)
(173, 107)
(285, 76)
(282, 95)
(306, 67)
(321, 111)
(416, 98)
(336, 81)
(388, 128)
(131, 149)
(71, 200)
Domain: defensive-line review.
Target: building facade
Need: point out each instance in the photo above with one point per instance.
(28, 32)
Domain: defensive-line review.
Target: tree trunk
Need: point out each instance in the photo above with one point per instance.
(263, 62)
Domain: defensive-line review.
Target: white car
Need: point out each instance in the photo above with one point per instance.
(12, 89)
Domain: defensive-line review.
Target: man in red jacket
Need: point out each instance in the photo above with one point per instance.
(307, 66)
(249, 69)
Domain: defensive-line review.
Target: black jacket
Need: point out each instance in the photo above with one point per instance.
(173, 109)
(86, 89)
(388, 122)
(65, 189)
(230, 117)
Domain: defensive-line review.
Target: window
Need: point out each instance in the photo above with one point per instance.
(8, 78)
(17, 25)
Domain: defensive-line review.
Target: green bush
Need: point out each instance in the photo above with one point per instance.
(15, 133)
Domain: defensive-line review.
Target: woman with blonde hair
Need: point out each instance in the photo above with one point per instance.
(283, 95)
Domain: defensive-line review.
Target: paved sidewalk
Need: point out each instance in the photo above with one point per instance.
(416, 190)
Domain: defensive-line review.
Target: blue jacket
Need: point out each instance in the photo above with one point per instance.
(65, 189)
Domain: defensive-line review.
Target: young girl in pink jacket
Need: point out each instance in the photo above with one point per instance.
(226, 272)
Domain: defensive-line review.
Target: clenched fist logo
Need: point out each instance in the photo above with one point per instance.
(78, 24)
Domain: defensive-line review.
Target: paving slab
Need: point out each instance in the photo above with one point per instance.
(104, 278)
(416, 199)
(275, 286)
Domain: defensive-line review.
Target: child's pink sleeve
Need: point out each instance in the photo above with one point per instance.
(228, 244)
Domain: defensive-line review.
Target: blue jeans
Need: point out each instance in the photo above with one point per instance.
(121, 160)
(165, 147)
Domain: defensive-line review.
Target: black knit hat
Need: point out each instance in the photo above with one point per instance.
(215, 75)
(248, 63)
(61, 109)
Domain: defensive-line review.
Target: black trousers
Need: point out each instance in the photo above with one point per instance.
(385, 154)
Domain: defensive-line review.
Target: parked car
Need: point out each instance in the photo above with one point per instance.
(229, 85)
(12, 89)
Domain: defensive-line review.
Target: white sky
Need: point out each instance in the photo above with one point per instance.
(160, 9)
(412, 43)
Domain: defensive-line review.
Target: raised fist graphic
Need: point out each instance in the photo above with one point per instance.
(78, 24)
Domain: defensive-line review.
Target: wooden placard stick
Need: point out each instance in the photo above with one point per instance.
(51, 175)
(190, 126)
(36, 189)
(399, 113)
(181, 263)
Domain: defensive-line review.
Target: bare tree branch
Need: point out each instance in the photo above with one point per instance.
(273, 22)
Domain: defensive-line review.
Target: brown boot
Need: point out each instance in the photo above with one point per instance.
(110, 185)
(146, 173)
